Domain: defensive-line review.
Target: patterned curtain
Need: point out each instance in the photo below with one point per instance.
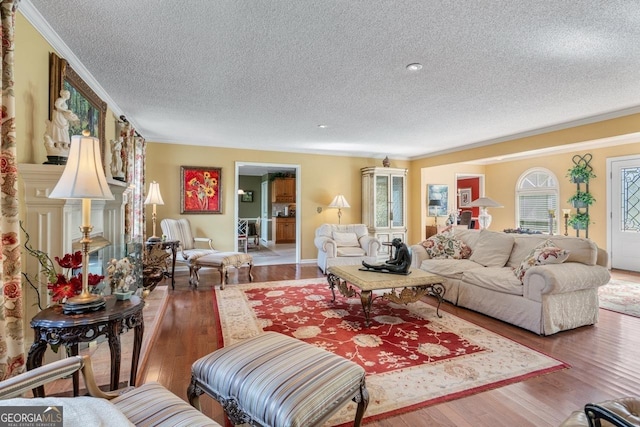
(11, 334)
(135, 168)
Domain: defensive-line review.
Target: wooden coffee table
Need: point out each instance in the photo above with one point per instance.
(350, 281)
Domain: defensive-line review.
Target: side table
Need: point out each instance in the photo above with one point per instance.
(168, 244)
(52, 327)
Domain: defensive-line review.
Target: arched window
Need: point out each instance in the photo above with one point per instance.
(536, 196)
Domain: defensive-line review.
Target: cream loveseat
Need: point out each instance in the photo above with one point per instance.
(347, 244)
(542, 283)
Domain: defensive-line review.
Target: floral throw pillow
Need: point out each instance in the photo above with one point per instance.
(441, 246)
(545, 253)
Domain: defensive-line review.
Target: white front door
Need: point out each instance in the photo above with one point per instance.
(625, 213)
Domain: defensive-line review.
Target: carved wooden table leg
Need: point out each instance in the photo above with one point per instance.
(113, 338)
(366, 299)
(138, 332)
(34, 359)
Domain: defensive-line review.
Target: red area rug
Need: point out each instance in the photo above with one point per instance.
(412, 357)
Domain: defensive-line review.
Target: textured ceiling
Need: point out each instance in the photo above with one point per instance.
(264, 74)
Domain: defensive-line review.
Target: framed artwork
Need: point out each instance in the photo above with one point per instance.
(465, 197)
(83, 101)
(200, 190)
(247, 196)
(437, 199)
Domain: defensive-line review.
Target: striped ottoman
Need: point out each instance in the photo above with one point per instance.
(221, 261)
(278, 381)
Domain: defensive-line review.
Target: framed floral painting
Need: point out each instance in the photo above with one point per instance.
(200, 190)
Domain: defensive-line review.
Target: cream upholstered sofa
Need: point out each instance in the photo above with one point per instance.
(542, 283)
(347, 244)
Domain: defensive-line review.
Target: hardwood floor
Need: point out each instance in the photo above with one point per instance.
(603, 358)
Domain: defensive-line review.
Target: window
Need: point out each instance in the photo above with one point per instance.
(537, 195)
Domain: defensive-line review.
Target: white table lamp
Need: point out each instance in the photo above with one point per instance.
(339, 202)
(83, 178)
(484, 219)
(154, 198)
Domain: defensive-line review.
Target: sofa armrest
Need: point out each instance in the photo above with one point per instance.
(560, 278)
(418, 254)
(370, 244)
(326, 244)
(602, 258)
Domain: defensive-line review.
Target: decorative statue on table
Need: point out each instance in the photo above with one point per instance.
(400, 264)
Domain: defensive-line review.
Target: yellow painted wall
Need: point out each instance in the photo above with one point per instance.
(322, 177)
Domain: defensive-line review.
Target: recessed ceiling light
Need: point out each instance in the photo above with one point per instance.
(323, 126)
(414, 67)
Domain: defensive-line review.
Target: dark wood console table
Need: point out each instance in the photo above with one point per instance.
(52, 327)
(168, 244)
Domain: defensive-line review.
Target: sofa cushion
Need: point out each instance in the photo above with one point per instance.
(581, 250)
(493, 249)
(499, 279)
(449, 268)
(442, 246)
(522, 247)
(345, 239)
(545, 253)
(350, 251)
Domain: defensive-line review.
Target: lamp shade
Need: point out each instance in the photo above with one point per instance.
(339, 202)
(485, 202)
(83, 176)
(154, 197)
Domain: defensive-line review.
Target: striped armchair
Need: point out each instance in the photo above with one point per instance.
(148, 405)
(191, 248)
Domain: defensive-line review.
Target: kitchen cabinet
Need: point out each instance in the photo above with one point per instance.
(285, 229)
(283, 190)
(384, 204)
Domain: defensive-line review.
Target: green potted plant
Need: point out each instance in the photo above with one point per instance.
(579, 221)
(581, 199)
(580, 173)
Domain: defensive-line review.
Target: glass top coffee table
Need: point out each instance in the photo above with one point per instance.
(350, 281)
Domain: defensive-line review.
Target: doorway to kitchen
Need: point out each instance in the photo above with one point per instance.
(263, 181)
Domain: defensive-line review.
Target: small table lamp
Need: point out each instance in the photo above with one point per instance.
(437, 203)
(83, 178)
(339, 202)
(154, 198)
(484, 219)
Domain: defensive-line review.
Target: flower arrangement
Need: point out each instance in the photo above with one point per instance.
(120, 275)
(69, 283)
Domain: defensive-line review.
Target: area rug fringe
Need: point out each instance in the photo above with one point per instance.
(498, 362)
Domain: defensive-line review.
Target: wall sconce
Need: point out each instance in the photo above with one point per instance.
(154, 198)
(339, 202)
(83, 178)
(566, 213)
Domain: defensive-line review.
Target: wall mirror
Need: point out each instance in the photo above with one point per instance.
(84, 102)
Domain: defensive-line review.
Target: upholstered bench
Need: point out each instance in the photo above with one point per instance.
(278, 381)
(221, 261)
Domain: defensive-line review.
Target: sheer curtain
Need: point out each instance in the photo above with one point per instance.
(11, 333)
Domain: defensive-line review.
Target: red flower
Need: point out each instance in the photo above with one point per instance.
(70, 261)
(69, 287)
(12, 290)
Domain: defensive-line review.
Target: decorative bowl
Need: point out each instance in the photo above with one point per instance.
(123, 295)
